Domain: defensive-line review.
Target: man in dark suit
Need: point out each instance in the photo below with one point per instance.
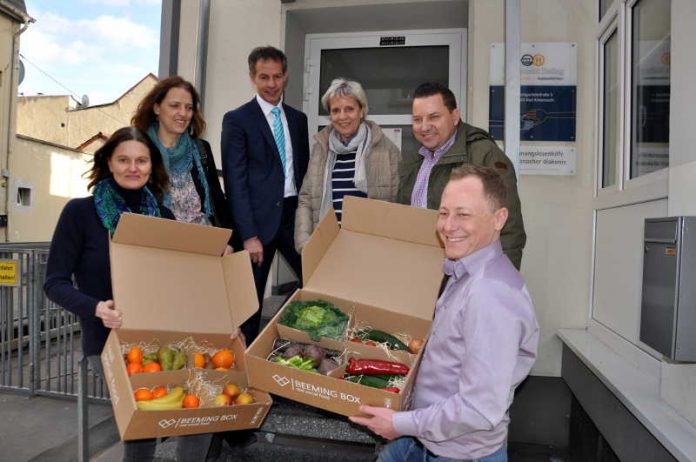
(265, 151)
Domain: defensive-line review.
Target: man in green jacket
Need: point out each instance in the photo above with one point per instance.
(447, 142)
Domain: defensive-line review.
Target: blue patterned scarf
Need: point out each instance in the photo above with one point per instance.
(110, 204)
(180, 159)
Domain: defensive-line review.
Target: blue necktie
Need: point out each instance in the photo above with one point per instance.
(279, 135)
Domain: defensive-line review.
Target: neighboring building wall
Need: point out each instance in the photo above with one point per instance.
(10, 29)
(59, 120)
(45, 117)
(46, 163)
(7, 30)
(53, 175)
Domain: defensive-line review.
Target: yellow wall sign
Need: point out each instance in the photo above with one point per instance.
(9, 272)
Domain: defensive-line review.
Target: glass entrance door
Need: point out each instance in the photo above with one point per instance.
(389, 65)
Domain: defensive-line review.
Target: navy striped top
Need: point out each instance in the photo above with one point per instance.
(342, 182)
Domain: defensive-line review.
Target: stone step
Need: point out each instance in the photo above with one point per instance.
(288, 447)
(292, 418)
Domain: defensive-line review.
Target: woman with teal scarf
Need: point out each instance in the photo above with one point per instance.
(127, 175)
(171, 116)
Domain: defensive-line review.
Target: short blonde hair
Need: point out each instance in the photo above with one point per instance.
(345, 87)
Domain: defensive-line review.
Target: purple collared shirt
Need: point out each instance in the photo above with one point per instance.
(483, 343)
(419, 196)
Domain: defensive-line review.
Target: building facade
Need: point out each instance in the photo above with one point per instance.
(630, 143)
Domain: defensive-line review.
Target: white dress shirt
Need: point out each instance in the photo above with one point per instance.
(266, 107)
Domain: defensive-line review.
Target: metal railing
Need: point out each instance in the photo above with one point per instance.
(40, 351)
(40, 348)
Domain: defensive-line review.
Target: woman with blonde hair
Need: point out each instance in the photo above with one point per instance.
(350, 157)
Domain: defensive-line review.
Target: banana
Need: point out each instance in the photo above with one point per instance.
(173, 400)
(175, 394)
(150, 406)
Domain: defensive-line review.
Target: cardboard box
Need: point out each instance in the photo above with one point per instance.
(383, 268)
(170, 282)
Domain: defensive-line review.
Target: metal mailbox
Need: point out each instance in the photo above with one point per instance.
(668, 307)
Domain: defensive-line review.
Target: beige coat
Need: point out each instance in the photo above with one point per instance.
(382, 170)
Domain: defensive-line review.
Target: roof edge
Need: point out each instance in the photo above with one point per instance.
(16, 13)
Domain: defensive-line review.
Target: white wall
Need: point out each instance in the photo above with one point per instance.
(557, 211)
(236, 27)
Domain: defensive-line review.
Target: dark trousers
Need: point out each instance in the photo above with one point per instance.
(284, 242)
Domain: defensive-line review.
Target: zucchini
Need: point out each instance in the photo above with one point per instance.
(382, 337)
(369, 380)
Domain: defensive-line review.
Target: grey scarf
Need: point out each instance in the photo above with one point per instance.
(360, 144)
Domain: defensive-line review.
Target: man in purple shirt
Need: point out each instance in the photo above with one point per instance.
(483, 341)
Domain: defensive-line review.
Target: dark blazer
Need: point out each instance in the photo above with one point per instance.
(252, 171)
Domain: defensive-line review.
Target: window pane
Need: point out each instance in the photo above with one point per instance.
(650, 86)
(611, 106)
(603, 7)
(388, 75)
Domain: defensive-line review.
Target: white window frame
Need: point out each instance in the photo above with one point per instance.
(626, 190)
(611, 29)
(456, 39)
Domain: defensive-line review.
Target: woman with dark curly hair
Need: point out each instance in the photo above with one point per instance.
(128, 175)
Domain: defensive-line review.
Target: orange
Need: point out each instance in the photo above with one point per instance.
(135, 355)
(152, 367)
(223, 358)
(198, 360)
(159, 392)
(134, 368)
(143, 394)
(191, 401)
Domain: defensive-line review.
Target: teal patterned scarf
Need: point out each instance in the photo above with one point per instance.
(180, 159)
(110, 204)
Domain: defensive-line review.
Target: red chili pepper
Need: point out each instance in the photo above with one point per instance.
(356, 340)
(375, 367)
(370, 343)
(392, 389)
